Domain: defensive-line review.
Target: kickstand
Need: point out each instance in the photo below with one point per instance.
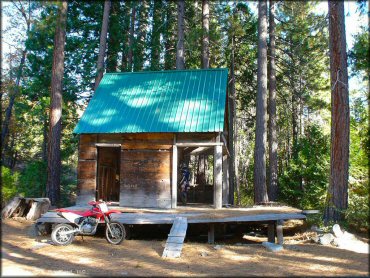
(82, 237)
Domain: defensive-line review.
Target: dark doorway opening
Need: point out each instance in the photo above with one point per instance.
(108, 179)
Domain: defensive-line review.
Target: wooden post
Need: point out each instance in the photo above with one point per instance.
(217, 176)
(225, 180)
(279, 232)
(271, 232)
(211, 233)
(174, 174)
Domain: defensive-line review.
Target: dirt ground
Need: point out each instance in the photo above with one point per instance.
(22, 254)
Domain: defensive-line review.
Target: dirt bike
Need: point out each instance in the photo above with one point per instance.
(86, 223)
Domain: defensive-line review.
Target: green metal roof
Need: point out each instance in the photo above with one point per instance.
(160, 101)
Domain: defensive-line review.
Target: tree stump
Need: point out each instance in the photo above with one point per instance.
(31, 208)
(10, 208)
(38, 207)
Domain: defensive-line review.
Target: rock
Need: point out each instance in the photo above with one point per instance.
(337, 231)
(272, 246)
(314, 228)
(316, 239)
(326, 239)
(349, 236)
(217, 247)
(204, 254)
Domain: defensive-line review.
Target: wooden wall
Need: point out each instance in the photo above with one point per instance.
(145, 171)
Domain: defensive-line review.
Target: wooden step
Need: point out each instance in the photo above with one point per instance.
(176, 238)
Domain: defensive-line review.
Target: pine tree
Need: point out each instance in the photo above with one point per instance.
(260, 192)
(155, 43)
(139, 51)
(103, 43)
(114, 30)
(55, 127)
(338, 183)
(273, 163)
(180, 50)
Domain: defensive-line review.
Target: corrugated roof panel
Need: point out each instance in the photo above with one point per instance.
(161, 101)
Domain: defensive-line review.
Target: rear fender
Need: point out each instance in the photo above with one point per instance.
(112, 211)
(70, 216)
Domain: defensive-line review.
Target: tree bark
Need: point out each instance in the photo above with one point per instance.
(259, 173)
(273, 165)
(8, 111)
(180, 59)
(205, 37)
(131, 37)
(231, 102)
(114, 37)
(155, 47)
(55, 122)
(103, 43)
(126, 32)
(337, 200)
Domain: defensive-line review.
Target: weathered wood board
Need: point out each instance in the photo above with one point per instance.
(176, 238)
(145, 178)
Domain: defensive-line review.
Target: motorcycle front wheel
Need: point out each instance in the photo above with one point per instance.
(118, 233)
(59, 236)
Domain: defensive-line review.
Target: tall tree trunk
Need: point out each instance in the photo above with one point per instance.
(338, 184)
(8, 111)
(205, 37)
(55, 122)
(44, 153)
(180, 58)
(131, 37)
(169, 35)
(259, 173)
(103, 43)
(114, 37)
(125, 38)
(273, 163)
(141, 34)
(155, 42)
(231, 101)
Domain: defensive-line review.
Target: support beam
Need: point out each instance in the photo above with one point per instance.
(200, 144)
(211, 233)
(174, 174)
(279, 232)
(217, 176)
(225, 180)
(271, 232)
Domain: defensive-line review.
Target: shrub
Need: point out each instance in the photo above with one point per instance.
(9, 188)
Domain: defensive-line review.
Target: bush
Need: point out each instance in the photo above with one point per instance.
(9, 188)
(304, 182)
(32, 180)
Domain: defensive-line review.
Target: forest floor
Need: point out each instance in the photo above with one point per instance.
(23, 254)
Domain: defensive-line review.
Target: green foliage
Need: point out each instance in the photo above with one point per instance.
(304, 181)
(32, 180)
(360, 53)
(9, 184)
(357, 213)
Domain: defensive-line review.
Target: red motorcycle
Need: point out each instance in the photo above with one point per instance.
(86, 223)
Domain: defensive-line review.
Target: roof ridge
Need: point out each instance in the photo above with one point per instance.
(165, 71)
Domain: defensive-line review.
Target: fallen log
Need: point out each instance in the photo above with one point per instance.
(31, 208)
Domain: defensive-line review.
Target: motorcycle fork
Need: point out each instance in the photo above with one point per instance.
(106, 219)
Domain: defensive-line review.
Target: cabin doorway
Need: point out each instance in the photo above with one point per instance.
(108, 175)
(199, 162)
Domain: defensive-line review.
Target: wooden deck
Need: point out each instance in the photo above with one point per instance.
(203, 214)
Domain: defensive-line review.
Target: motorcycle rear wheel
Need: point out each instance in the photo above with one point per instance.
(119, 233)
(57, 234)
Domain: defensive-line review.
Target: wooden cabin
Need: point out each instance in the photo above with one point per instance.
(139, 127)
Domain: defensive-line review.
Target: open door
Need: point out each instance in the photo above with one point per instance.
(108, 179)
